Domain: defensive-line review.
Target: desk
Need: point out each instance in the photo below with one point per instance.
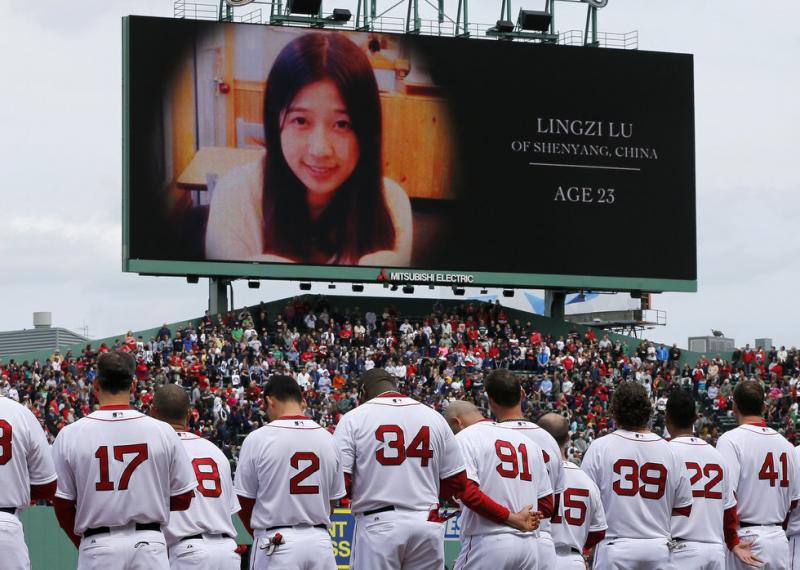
(213, 161)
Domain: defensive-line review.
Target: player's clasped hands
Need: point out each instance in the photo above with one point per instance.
(525, 520)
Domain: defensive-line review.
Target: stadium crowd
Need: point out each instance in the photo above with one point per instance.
(223, 362)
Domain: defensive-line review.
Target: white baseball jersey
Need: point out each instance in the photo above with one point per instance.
(25, 458)
(507, 466)
(552, 458)
(764, 473)
(214, 500)
(397, 450)
(292, 470)
(641, 480)
(793, 528)
(711, 491)
(120, 466)
(580, 510)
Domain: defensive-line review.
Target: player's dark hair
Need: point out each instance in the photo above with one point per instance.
(749, 398)
(115, 371)
(171, 403)
(503, 387)
(375, 382)
(681, 410)
(283, 388)
(630, 406)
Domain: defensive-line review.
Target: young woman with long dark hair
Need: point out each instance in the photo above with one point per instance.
(319, 197)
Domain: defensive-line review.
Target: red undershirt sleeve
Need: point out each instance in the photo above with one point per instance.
(44, 492)
(453, 486)
(730, 527)
(181, 502)
(545, 506)
(484, 506)
(592, 539)
(348, 485)
(682, 511)
(246, 512)
(65, 514)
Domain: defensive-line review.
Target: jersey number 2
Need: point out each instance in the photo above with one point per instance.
(5, 442)
(120, 451)
(295, 488)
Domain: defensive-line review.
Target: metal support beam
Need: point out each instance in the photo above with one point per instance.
(218, 296)
(554, 302)
(413, 22)
(462, 16)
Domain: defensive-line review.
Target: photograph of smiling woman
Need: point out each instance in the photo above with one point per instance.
(319, 197)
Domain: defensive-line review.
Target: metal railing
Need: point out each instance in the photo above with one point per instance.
(188, 9)
(629, 40)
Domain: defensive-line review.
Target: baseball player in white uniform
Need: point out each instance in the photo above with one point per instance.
(505, 397)
(580, 520)
(399, 457)
(26, 474)
(201, 537)
(289, 473)
(764, 474)
(701, 539)
(793, 531)
(510, 468)
(120, 473)
(642, 484)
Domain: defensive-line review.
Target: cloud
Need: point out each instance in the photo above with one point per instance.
(60, 118)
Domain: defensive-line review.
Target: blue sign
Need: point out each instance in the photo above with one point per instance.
(342, 525)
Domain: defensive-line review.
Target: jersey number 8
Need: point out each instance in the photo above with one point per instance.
(5, 442)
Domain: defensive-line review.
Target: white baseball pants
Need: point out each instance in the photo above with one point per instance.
(770, 545)
(397, 540)
(124, 548)
(12, 543)
(212, 552)
(568, 559)
(547, 550)
(502, 551)
(303, 548)
(633, 554)
(794, 551)
(699, 555)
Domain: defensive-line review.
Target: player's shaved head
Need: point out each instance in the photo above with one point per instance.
(749, 398)
(557, 426)
(630, 406)
(462, 409)
(171, 404)
(462, 414)
(376, 381)
(681, 411)
(503, 387)
(115, 371)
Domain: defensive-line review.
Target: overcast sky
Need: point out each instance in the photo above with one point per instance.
(60, 133)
